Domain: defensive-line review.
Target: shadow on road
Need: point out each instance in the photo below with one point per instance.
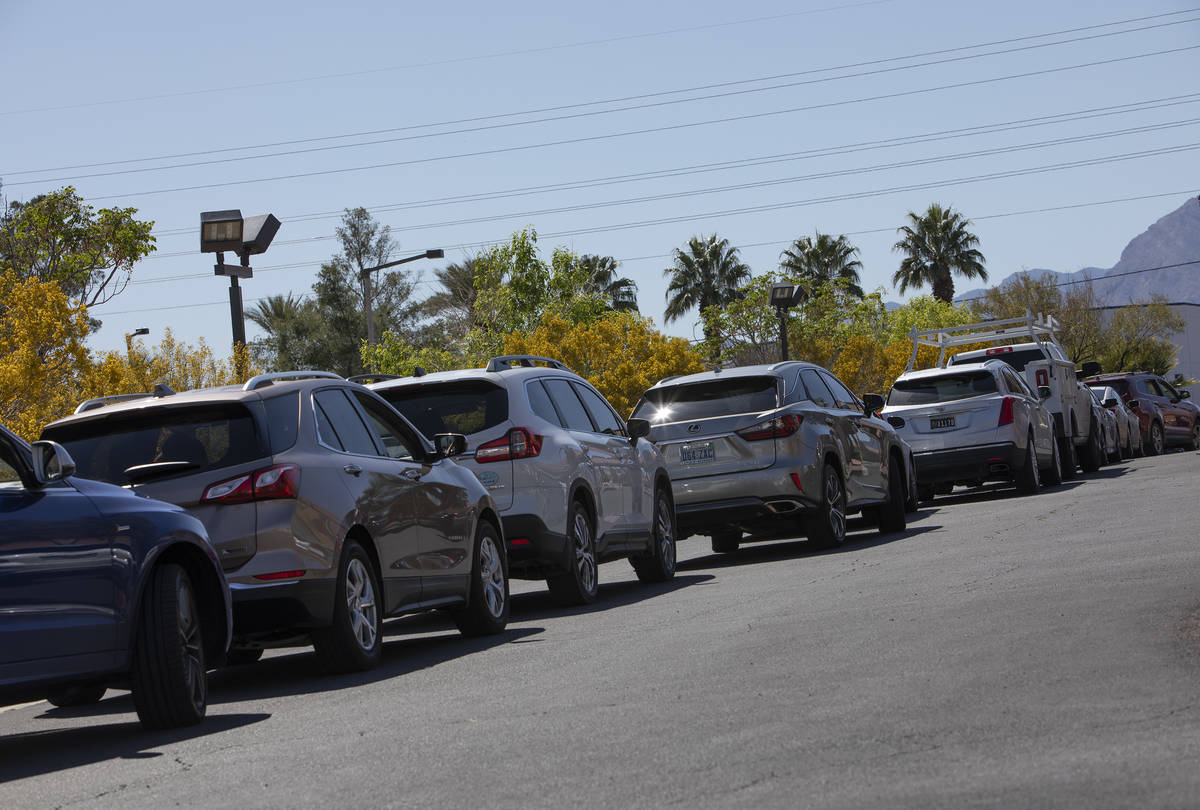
(1002, 490)
(540, 605)
(39, 752)
(760, 548)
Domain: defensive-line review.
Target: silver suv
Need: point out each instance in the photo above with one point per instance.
(975, 422)
(573, 483)
(760, 448)
(327, 509)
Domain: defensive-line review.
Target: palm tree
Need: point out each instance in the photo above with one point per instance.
(274, 311)
(602, 278)
(707, 274)
(935, 245)
(820, 260)
(458, 296)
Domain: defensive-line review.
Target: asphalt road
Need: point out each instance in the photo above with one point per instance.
(1004, 651)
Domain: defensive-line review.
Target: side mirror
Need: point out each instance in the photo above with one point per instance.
(872, 403)
(637, 428)
(51, 462)
(1111, 402)
(1133, 404)
(450, 444)
(1044, 392)
(1091, 368)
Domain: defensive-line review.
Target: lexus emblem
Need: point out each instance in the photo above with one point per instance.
(693, 428)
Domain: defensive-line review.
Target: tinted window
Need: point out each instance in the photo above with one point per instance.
(1167, 390)
(466, 406)
(388, 429)
(841, 394)
(676, 403)
(9, 476)
(1150, 387)
(540, 402)
(206, 437)
(1120, 386)
(818, 391)
(1017, 359)
(569, 406)
(603, 417)
(283, 417)
(339, 425)
(1016, 385)
(945, 388)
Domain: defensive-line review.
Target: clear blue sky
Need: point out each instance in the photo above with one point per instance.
(129, 84)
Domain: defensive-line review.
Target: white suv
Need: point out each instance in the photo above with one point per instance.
(575, 485)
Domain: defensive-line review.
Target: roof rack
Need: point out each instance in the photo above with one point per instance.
(508, 361)
(263, 380)
(362, 379)
(1031, 327)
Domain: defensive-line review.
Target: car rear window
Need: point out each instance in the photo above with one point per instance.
(465, 406)
(702, 400)
(208, 437)
(946, 388)
(1018, 359)
(1120, 386)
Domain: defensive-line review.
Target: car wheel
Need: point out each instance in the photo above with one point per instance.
(726, 541)
(1093, 452)
(67, 696)
(1196, 435)
(1066, 455)
(169, 678)
(1054, 474)
(1157, 444)
(487, 611)
(1028, 479)
(891, 515)
(354, 642)
(580, 583)
(826, 525)
(659, 564)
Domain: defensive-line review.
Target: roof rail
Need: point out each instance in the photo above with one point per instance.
(263, 380)
(1032, 328)
(100, 402)
(161, 389)
(361, 378)
(508, 361)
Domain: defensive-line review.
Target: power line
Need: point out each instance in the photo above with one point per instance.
(572, 116)
(648, 130)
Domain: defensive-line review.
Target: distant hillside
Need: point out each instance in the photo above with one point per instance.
(1173, 239)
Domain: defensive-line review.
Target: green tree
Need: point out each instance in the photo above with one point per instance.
(820, 259)
(708, 273)
(88, 253)
(452, 306)
(602, 278)
(936, 245)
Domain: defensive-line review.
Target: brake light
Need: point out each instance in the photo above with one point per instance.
(272, 483)
(999, 350)
(280, 575)
(1006, 412)
(775, 428)
(517, 443)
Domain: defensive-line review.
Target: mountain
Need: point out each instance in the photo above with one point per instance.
(1171, 240)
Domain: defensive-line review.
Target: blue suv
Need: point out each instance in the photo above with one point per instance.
(100, 587)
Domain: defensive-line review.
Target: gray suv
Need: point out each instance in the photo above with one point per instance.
(783, 446)
(327, 509)
(574, 484)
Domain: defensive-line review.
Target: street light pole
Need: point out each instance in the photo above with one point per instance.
(366, 278)
(784, 295)
(781, 312)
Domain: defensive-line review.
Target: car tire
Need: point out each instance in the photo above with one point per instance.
(659, 564)
(243, 658)
(1093, 452)
(1127, 448)
(1196, 434)
(354, 641)
(66, 696)
(1067, 457)
(1157, 442)
(1028, 478)
(1054, 474)
(169, 677)
(486, 612)
(825, 526)
(891, 515)
(580, 582)
(726, 541)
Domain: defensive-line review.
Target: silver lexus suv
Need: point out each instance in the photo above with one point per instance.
(575, 484)
(784, 446)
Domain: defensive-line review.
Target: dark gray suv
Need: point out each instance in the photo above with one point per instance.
(328, 510)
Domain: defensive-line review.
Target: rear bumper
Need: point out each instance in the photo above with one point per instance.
(986, 462)
(534, 552)
(710, 516)
(279, 608)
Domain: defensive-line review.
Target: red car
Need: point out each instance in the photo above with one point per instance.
(1167, 415)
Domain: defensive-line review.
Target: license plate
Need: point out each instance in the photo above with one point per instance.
(941, 423)
(697, 453)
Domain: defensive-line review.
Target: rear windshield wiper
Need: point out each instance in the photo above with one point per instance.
(157, 469)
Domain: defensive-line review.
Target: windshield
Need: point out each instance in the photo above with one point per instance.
(465, 406)
(947, 388)
(675, 403)
(1018, 358)
(196, 439)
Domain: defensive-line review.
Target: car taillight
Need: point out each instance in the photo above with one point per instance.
(1006, 412)
(272, 483)
(517, 443)
(775, 428)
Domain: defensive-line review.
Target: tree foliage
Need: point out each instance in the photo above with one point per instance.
(820, 259)
(935, 245)
(709, 273)
(602, 278)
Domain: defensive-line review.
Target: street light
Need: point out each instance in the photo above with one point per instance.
(365, 276)
(228, 230)
(784, 296)
(129, 336)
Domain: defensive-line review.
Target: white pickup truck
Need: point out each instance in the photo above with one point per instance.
(1045, 367)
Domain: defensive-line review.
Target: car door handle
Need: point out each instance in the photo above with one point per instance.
(411, 474)
(353, 469)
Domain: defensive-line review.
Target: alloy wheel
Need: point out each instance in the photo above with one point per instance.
(665, 533)
(360, 602)
(585, 555)
(491, 574)
(188, 626)
(836, 500)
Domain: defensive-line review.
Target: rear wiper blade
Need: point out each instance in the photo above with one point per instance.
(157, 469)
